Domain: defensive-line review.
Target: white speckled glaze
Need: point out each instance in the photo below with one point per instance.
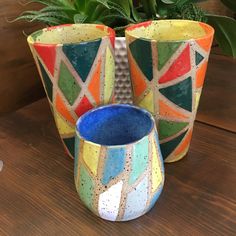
(123, 85)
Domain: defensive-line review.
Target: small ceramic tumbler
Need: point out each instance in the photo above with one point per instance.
(77, 68)
(119, 171)
(168, 61)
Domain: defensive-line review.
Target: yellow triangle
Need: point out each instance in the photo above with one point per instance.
(197, 99)
(147, 102)
(63, 127)
(91, 155)
(109, 76)
(156, 169)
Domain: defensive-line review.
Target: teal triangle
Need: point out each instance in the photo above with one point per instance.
(70, 144)
(180, 94)
(198, 58)
(168, 147)
(165, 51)
(47, 82)
(142, 53)
(82, 56)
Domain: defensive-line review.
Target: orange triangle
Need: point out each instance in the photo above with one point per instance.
(138, 82)
(205, 43)
(168, 111)
(200, 75)
(62, 109)
(94, 86)
(185, 143)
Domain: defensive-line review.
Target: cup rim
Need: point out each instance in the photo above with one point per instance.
(111, 34)
(153, 126)
(148, 23)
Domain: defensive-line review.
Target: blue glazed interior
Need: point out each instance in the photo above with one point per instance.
(115, 125)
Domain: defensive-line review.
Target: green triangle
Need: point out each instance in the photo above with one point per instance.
(142, 53)
(180, 93)
(82, 56)
(70, 144)
(165, 51)
(168, 147)
(68, 85)
(47, 82)
(169, 128)
(198, 58)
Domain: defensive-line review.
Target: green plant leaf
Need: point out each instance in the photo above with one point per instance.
(80, 18)
(169, 1)
(225, 33)
(124, 4)
(231, 4)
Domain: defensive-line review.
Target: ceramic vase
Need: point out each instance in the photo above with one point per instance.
(77, 69)
(123, 87)
(168, 62)
(119, 171)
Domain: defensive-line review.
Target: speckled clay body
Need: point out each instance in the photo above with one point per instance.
(77, 67)
(119, 171)
(168, 61)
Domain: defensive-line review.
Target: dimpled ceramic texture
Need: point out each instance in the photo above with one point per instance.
(123, 86)
(168, 61)
(77, 68)
(119, 171)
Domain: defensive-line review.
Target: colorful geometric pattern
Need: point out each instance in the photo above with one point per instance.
(119, 183)
(168, 80)
(76, 76)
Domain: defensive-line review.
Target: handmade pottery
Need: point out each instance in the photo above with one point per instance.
(168, 61)
(119, 171)
(77, 68)
(122, 86)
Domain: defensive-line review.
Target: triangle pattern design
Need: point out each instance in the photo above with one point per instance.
(185, 143)
(68, 85)
(169, 128)
(85, 54)
(147, 102)
(200, 75)
(180, 67)
(94, 86)
(83, 106)
(70, 143)
(142, 53)
(63, 110)
(198, 58)
(184, 91)
(48, 56)
(167, 111)
(165, 52)
(47, 82)
(138, 82)
(168, 147)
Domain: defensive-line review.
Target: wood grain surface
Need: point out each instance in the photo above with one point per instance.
(20, 84)
(38, 196)
(218, 101)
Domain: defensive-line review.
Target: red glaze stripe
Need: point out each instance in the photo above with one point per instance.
(143, 24)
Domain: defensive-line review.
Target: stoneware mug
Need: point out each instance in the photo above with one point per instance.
(119, 171)
(168, 61)
(77, 69)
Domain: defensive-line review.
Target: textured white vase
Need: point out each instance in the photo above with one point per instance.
(123, 85)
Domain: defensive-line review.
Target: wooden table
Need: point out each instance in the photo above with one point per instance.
(38, 197)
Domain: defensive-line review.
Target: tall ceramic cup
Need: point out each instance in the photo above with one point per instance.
(76, 65)
(168, 61)
(119, 172)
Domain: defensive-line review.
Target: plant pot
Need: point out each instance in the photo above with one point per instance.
(168, 61)
(119, 173)
(77, 69)
(123, 86)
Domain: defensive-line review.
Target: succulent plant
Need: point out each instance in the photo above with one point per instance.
(118, 14)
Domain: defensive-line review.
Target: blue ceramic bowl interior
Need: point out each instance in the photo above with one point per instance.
(115, 125)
